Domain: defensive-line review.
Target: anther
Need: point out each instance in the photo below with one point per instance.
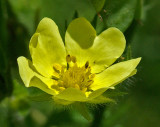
(55, 77)
(87, 64)
(61, 88)
(54, 87)
(57, 68)
(73, 58)
(68, 58)
(84, 89)
(91, 76)
(90, 82)
(76, 86)
(60, 83)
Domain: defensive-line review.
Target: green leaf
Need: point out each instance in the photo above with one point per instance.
(75, 15)
(16, 43)
(94, 21)
(5, 75)
(3, 39)
(26, 10)
(4, 115)
(138, 13)
(129, 53)
(98, 4)
(82, 109)
(3, 62)
(119, 13)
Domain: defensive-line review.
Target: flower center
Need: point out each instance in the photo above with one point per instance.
(72, 76)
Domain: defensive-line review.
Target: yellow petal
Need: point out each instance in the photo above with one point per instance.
(31, 77)
(97, 93)
(115, 74)
(71, 94)
(101, 51)
(37, 82)
(79, 37)
(108, 46)
(46, 47)
(80, 33)
(131, 74)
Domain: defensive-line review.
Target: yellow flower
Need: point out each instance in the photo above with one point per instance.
(82, 69)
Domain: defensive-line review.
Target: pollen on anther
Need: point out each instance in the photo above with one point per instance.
(87, 64)
(73, 58)
(84, 89)
(76, 86)
(54, 87)
(61, 88)
(68, 58)
(91, 76)
(57, 68)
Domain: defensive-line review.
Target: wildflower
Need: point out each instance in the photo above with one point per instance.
(80, 70)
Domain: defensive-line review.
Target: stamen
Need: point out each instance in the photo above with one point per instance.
(76, 86)
(90, 82)
(67, 66)
(57, 68)
(54, 87)
(72, 75)
(91, 76)
(73, 59)
(55, 77)
(87, 64)
(68, 58)
(61, 88)
(84, 89)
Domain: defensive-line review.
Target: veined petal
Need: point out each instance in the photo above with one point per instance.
(79, 38)
(71, 94)
(115, 74)
(107, 47)
(31, 78)
(46, 47)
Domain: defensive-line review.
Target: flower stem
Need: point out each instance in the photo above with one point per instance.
(98, 116)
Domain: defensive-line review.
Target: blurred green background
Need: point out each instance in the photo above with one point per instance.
(140, 22)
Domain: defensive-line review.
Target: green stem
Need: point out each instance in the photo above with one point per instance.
(98, 116)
